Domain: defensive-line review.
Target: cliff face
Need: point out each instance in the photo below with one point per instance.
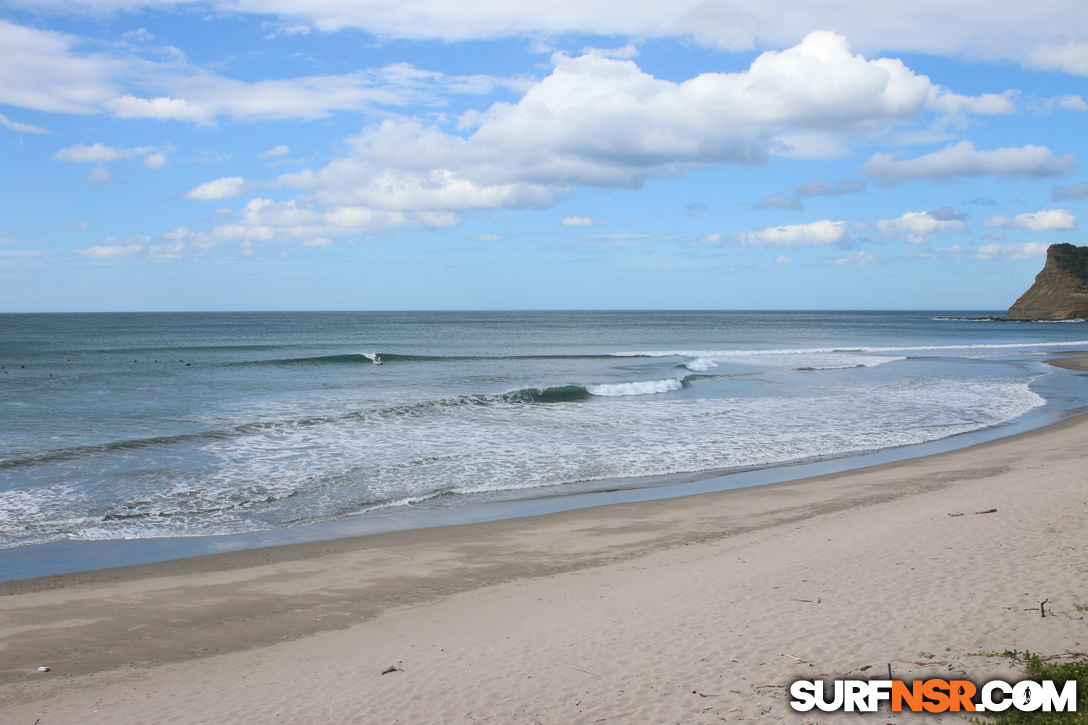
(1060, 291)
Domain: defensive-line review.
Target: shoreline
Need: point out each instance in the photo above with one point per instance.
(753, 587)
(64, 557)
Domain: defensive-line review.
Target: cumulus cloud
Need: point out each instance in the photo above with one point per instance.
(1068, 103)
(791, 235)
(1008, 252)
(95, 153)
(224, 188)
(275, 152)
(1073, 191)
(116, 248)
(162, 108)
(99, 176)
(268, 221)
(919, 224)
(98, 153)
(1017, 252)
(595, 120)
(963, 160)
(156, 160)
(581, 221)
(601, 121)
(1041, 221)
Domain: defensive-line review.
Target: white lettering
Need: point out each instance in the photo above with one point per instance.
(803, 694)
(992, 705)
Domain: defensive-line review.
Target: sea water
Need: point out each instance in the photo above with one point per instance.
(141, 426)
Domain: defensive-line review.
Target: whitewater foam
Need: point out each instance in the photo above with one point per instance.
(649, 387)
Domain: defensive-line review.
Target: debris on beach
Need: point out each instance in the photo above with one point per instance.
(43, 668)
(390, 668)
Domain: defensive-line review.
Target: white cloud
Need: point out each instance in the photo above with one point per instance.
(47, 71)
(1071, 57)
(201, 96)
(160, 109)
(581, 221)
(95, 153)
(156, 160)
(595, 120)
(18, 127)
(116, 248)
(918, 224)
(98, 153)
(99, 176)
(1017, 252)
(275, 152)
(224, 188)
(1069, 103)
(602, 121)
(1073, 191)
(783, 261)
(996, 31)
(1008, 252)
(267, 221)
(486, 238)
(1041, 221)
(962, 160)
(790, 235)
(39, 70)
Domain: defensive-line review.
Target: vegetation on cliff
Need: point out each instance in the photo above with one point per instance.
(1072, 259)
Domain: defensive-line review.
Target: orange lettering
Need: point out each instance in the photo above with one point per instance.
(936, 699)
(912, 695)
(960, 694)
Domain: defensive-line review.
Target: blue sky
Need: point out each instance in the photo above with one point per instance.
(353, 154)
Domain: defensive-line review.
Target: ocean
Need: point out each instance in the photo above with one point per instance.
(178, 425)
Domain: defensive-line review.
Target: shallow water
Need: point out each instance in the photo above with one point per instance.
(142, 426)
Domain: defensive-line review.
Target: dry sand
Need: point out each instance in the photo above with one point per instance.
(691, 610)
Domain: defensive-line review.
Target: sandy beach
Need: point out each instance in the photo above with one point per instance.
(692, 610)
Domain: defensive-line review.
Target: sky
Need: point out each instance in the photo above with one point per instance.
(558, 154)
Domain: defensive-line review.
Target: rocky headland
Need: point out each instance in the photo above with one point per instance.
(1060, 291)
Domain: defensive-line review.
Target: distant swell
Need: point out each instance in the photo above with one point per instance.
(369, 358)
